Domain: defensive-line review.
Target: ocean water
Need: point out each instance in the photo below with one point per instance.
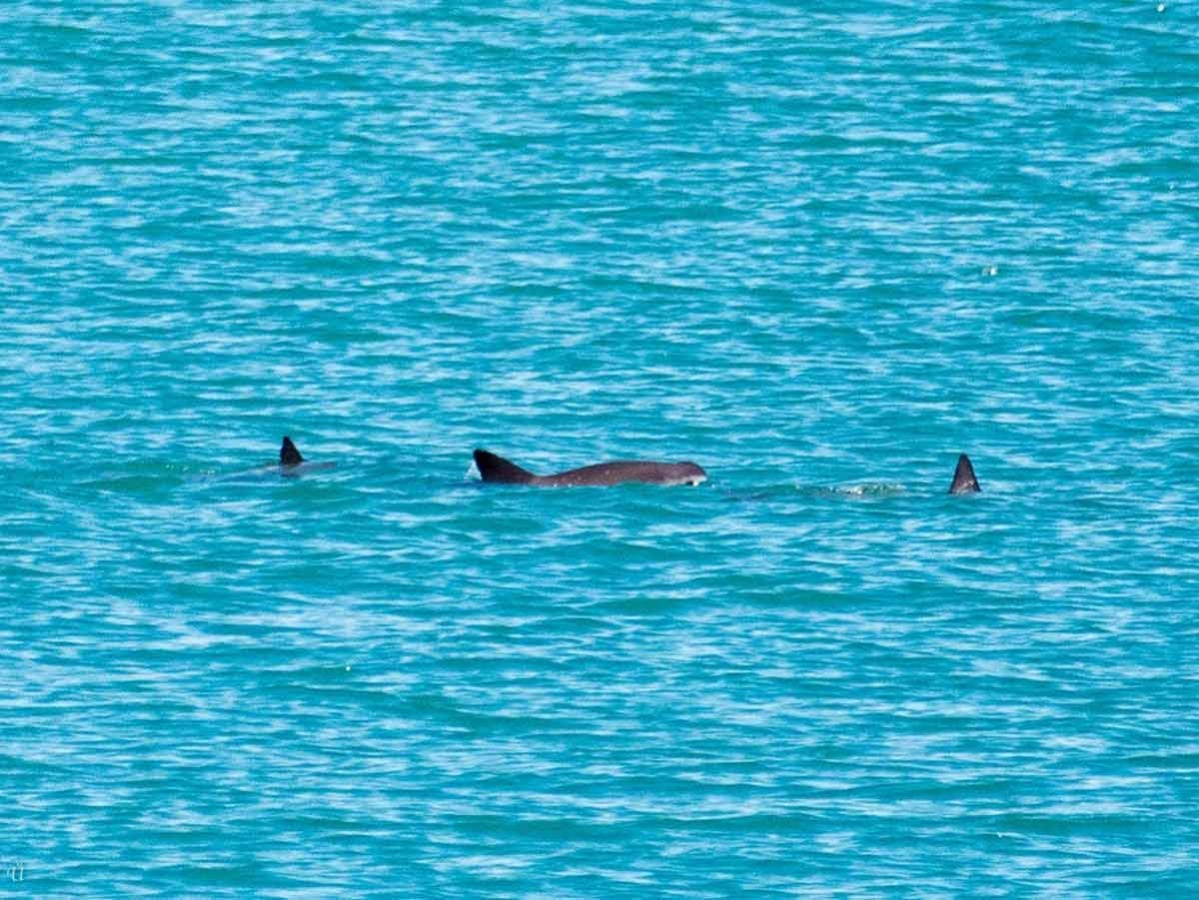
(819, 249)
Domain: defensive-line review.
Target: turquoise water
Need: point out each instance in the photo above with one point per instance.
(820, 251)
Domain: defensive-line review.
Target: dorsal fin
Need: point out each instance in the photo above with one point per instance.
(964, 481)
(497, 469)
(288, 454)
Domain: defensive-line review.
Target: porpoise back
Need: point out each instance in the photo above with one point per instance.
(498, 470)
(288, 454)
(292, 463)
(964, 481)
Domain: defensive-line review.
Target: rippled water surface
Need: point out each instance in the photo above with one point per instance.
(820, 251)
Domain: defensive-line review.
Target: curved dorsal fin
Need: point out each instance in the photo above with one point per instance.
(497, 469)
(288, 454)
(964, 481)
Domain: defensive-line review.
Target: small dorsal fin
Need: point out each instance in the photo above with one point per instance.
(964, 481)
(288, 454)
(497, 469)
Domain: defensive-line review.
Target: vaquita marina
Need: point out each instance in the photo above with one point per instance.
(732, 449)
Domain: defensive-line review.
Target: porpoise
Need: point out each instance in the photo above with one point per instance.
(292, 463)
(498, 470)
(288, 454)
(964, 481)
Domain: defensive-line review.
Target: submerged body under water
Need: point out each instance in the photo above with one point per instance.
(819, 252)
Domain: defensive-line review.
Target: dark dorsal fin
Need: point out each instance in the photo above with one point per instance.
(288, 454)
(964, 481)
(497, 469)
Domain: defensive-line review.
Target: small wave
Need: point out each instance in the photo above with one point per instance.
(791, 491)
